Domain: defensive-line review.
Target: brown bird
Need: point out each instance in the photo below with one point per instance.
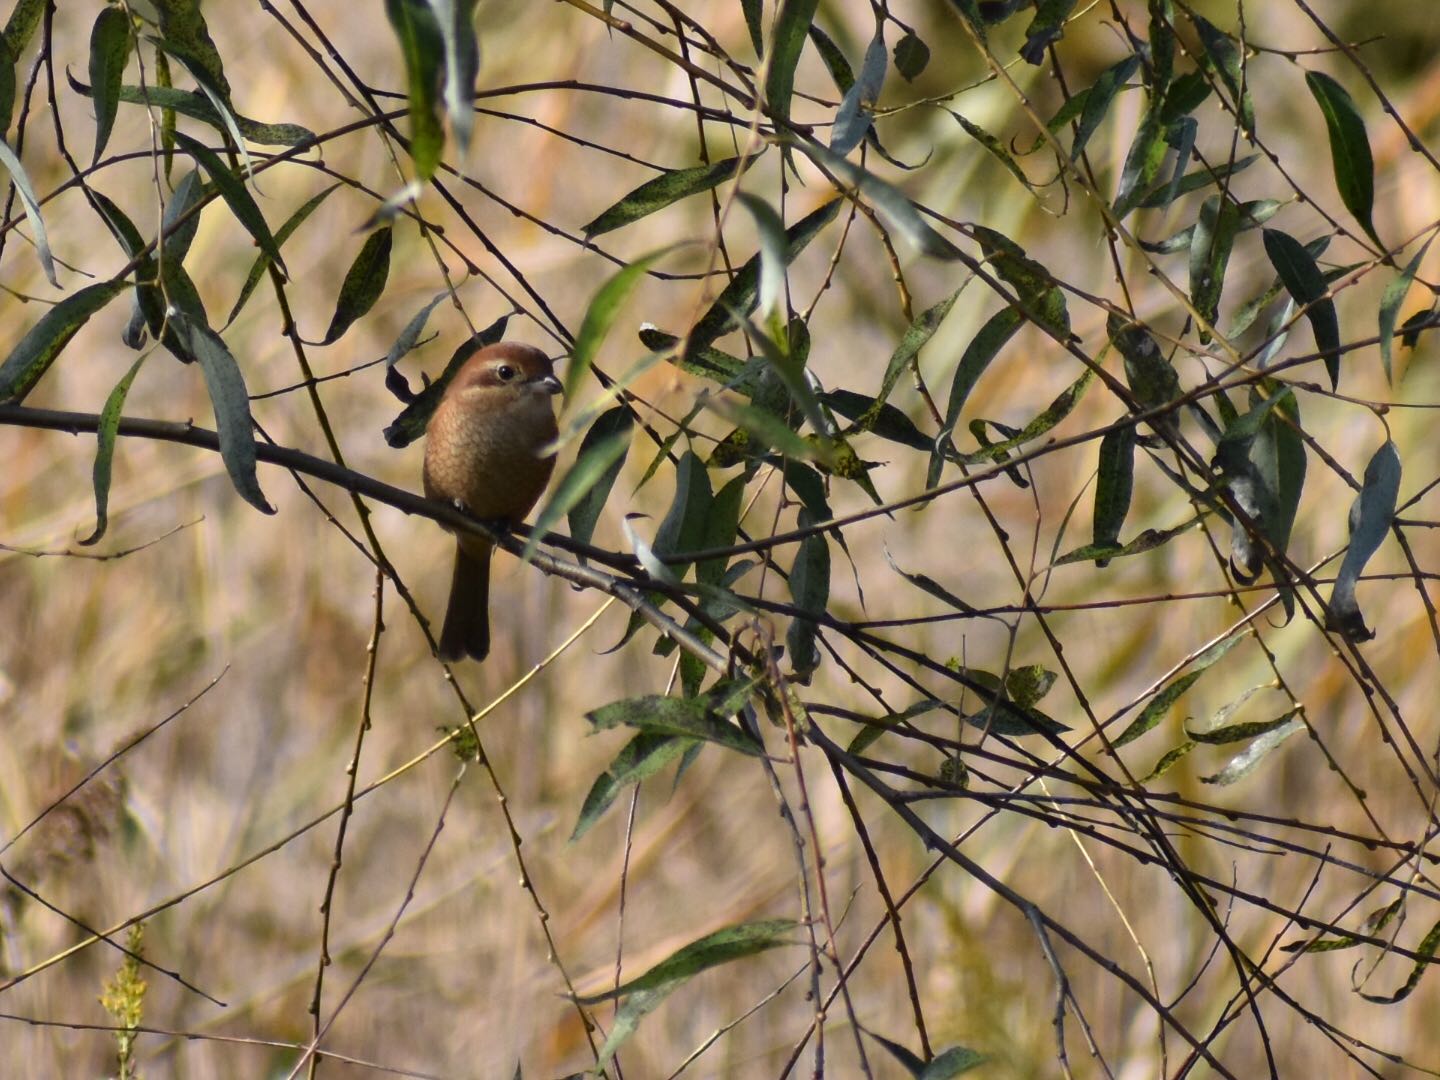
(486, 452)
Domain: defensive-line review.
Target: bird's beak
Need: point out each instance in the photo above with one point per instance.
(549, 384)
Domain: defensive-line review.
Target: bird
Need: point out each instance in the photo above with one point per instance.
(489, 450)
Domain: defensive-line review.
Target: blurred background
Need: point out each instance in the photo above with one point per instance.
(214, 818)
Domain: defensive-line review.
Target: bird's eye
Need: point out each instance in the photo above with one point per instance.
(506, 372)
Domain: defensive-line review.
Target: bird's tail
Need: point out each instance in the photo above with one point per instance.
(467, 618)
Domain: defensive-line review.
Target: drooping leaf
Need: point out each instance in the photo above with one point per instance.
(364, 282)
(943, 1066)
(920, 331)
(32, 209)
(1349, 149)
(106, 431)
(226, 387)
(601, 315)
(1425, 952)
(582, 493)
(690, 718)
(644, 994)
(1302, 280)
(241, 202)
(656, 194)
(1057, 410)
(1096, 102)
(1165, 194)
(810, 589)
(257, 268)
(1040, 297)
(995, 147)
(37, 350)
(109, 51)
(887, 199)
(642, 757)
(1252, 215)
(754, 11)
(771, 231)
(1003, 714)
(1113, 486)
(788, 34)
(983, 348)
(410, 424)
(1210, 246)
(456, 19)
(1224, 58)
(423, 46)
(769, 430)
(1245, 761)
(1370, 518)
(1390, 302)
(1159, 705)
(183, 27)
(683, 528)
(19, 29)
(1145, 541)
(721, 524)
(889, 423)
(198, 106)
(852, 118)
(742, 294)
(1152, 378)
(216, 94)
(1143, 161)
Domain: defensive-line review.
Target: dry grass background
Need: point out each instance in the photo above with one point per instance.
(281, 611)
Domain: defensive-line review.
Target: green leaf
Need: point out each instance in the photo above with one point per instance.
(1242, 732)
(792, 22)
(231, 403)
(1058, 409)
(1390, 302)
(1251, 214)
(363, 284)
(1096, 102)
(462, 65)
(1160, 704)
(916, 335)
(1148, 540)
(1027, 684)
(32, 209)
(1302, 280)
(198, 106)
(754, 11)
(769, 429)
(1168, 759)
(983, 348)
(1425, 951)
(887, 198)
(1242, 763)
(952, 1062)
(810, 589)
(721, 524)
(889, 423)
(217, 95)
(911, 56)
(690, 718)
(1165, 194)
(643, 757)
(853, 117)
(742, 294)
(1003, 715)
(1349, 148)
(995, 147)
(771, 232)
(410, 424)
(1151, 377)
(257, 268)
(1048, 26)
(240, 201)
(656, 194)
(1210, 246)
(1143, 161)
(423, 46)
(1223, 57)
(1370, 517)
(582, 493)
(644, 994)
(683, 528)
(1041, 299)
(19, 29)
(184, 30)
(109, 51)
(1114, 486)
(37, 350)
(106, 431)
